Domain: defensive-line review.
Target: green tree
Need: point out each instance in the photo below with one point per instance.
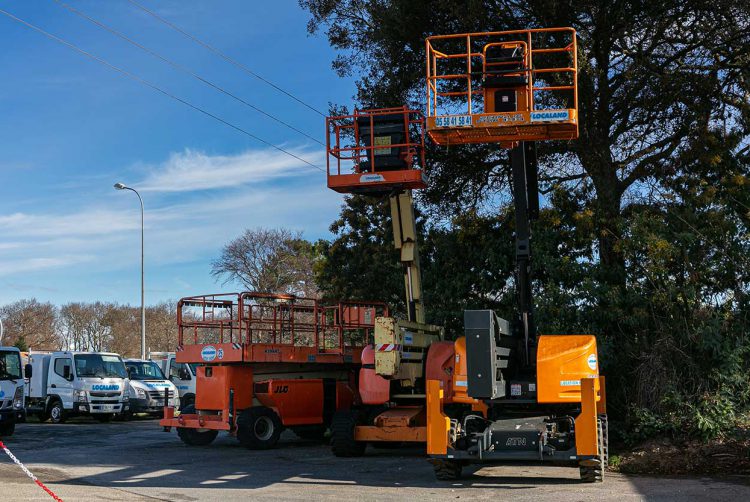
(643, 238)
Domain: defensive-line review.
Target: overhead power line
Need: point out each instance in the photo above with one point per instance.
(223, 56)
(153, 86)
(182, 68)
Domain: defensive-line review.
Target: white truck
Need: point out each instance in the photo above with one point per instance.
(65, 384)
(182, 375)
(11, 391)
(148, 387)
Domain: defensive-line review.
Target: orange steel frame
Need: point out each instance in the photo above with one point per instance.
(272, 328)
(252, 317)
(339, 128)
(521, 129)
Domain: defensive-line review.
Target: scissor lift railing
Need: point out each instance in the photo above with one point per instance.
(362, 156)
(247, 326)
(457, 97)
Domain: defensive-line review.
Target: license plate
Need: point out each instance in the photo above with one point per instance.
(108, 407)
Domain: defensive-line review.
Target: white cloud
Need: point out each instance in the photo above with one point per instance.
(192, 170)
(217, 198)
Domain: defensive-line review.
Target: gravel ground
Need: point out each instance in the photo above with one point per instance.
(86, 460)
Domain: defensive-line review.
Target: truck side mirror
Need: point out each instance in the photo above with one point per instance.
(28, 371)
(183, 374)
(66, 373)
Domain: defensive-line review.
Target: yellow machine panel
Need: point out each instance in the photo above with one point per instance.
(562, 361)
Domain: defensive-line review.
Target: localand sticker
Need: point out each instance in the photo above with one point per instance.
(550, 116)
(371, 178)
(208, 353)
(515, 389)
(592, 361)
(408, 339)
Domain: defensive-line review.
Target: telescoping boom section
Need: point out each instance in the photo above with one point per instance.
(265, 362)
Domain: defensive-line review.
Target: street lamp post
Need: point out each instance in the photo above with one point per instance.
(121, 186)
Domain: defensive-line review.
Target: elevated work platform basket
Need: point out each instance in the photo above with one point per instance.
(374, 151)
(502, 87)
(258, 327)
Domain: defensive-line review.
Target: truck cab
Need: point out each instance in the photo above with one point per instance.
(148, 387)
(182, 375)
(11, 391)
(66, 384)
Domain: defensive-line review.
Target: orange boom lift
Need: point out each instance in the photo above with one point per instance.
(543, 396)
(266, 362)
(381, 152)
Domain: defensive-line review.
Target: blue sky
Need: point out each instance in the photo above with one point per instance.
(71, 128)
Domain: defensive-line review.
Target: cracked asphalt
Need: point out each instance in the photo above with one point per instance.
(85, 460)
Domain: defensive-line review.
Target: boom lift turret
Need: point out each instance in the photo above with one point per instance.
(543, 394)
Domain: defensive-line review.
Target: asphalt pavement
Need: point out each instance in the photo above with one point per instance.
(88, 461)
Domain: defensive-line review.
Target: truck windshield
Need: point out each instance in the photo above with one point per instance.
(10, 366)
(99, 365)
(143, 370)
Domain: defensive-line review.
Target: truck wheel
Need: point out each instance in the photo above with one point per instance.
(188, 400)
(258, 428)
(57, 413)
(343, 443)
(103, 418)
(447, 470)
(196, 437)
(592, 471)
(7, 430)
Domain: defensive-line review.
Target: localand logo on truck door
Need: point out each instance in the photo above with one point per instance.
(208, 353)
(105, 387)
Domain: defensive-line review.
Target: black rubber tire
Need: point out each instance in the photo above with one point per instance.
(259, 428)
(189, 400)
(56, 412)
(591, 474)
(310, 433)
(342, 435)
(7, 429)
(194, 437)
(447, 470)
(105, 418)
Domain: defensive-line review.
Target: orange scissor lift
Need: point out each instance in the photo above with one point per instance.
(266, 362)
(543, 396)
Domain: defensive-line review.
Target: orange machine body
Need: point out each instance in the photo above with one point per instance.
(373, 388)
(297, 357)
(562, 361)
(300, 401)
(213, 384)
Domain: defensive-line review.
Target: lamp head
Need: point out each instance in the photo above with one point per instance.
(120, 186)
